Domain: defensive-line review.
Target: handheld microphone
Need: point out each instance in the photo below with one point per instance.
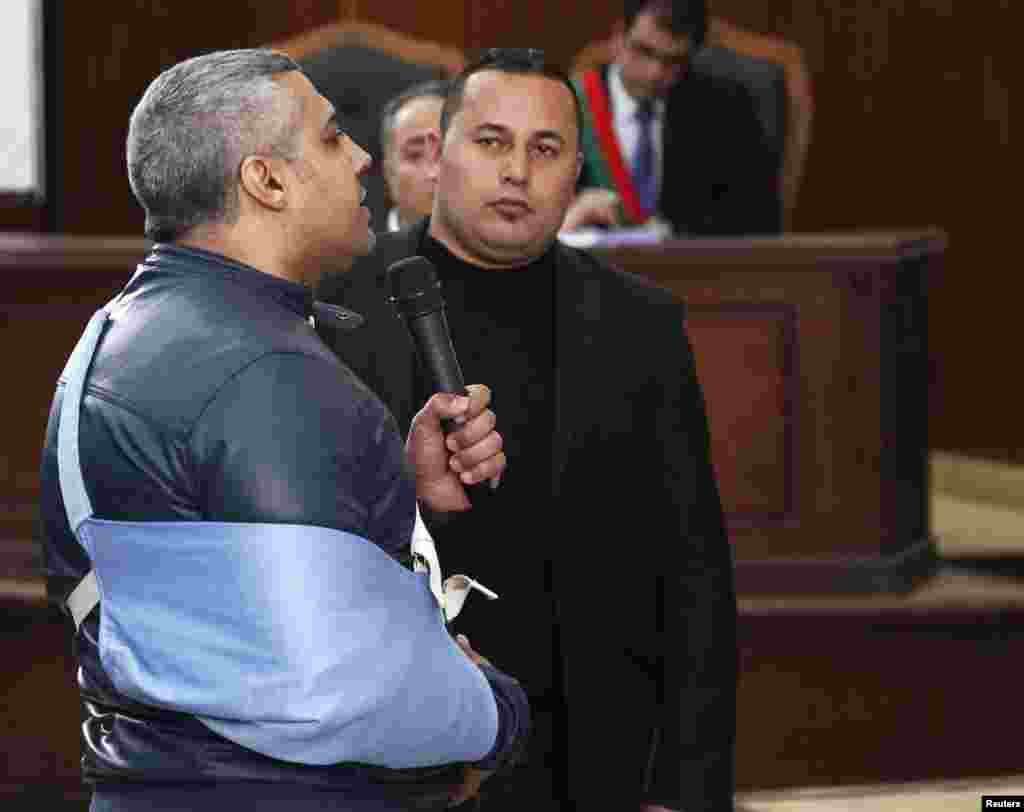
(416, 296)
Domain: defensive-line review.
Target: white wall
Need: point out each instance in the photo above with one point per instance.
(21, 96)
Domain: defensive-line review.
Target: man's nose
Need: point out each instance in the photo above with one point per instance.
(516, 167)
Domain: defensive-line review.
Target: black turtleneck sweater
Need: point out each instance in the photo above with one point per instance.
(502, 326)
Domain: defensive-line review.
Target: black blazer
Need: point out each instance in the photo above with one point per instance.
(722, 146)
(644, 571)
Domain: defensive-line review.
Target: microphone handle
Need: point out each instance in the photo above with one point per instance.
(434, 344)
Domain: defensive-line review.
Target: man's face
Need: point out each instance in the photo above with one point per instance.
(410, 157)
(652, 58)
(328, 225)
(508, 169)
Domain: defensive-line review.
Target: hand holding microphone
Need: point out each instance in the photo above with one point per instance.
(473, 444)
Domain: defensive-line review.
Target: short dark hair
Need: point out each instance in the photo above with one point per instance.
(433, 88)
(528, 61)
(687, 18)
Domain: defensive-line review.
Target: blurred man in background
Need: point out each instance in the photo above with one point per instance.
(678, 141)
(409, 131)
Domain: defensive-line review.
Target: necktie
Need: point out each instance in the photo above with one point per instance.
(645, 177)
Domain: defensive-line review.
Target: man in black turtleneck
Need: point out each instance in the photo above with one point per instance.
(605, 539)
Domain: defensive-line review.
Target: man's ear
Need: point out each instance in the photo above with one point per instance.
(618, 39)
(434, 154)
(262, 179)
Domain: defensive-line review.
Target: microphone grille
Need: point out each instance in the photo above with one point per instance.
(414, 285)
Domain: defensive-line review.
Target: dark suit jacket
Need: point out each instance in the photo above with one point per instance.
(722, 146)
(643, 573)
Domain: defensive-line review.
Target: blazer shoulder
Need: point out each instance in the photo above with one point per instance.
(627, 286)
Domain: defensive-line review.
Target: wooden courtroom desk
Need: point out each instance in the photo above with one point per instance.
(859, 689)
(812, 352)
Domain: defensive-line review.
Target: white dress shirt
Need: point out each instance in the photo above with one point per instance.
(627, 129)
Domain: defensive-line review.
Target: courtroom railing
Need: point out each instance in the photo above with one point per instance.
(51, 285)
(812, 350)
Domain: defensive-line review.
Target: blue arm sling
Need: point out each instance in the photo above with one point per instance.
(303, 643)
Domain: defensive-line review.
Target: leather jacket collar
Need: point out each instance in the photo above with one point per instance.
(174, 258)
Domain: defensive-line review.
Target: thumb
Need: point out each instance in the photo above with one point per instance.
(447, 406)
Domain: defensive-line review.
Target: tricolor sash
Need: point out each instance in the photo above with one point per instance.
(601, 150)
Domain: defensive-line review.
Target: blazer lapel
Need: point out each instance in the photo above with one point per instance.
(582, 584)
(578, 308)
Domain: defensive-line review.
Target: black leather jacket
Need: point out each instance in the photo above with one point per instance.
(211, 398)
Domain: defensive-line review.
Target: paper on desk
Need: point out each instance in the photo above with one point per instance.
(651, 233)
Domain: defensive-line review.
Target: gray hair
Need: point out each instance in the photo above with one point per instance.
(433, 88)
(193, 127)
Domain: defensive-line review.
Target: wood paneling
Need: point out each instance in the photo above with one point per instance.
(911, 129)
(860, 690)
(107, 55)
(813, 355)
(746, 356)
(559, 28)
(38, 703)
(21, 213)
(52, 285)
(441, 22)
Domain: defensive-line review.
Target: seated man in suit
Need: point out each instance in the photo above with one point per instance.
(678, 136)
